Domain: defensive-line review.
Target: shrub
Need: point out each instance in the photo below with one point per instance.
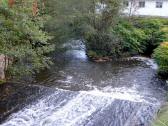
(92, 54)
(161, 57)
(153, 31)
(103, 44)
(165, 29)
(141, 35)
(23, 39)
(131, 37)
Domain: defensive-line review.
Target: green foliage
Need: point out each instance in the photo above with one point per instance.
(141, 35)
(75, 20)
(161, 57)
(22, 38)
(103, 44)
(105, 32)
(165, 30)
(68, 19)
(92, 54)
(99, 37)
(132, 38)
(153, 31)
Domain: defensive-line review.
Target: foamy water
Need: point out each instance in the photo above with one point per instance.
(66, 108)
(148, 61)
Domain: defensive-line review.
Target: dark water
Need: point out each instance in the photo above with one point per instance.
(83, 93)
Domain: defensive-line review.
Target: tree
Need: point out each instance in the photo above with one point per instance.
(100, 38)
(133, 8)
(89, 20)
(22, 37)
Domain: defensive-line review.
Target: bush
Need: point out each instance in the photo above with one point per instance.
(165, 29)
(141, 35)
(131, 37)
(23, 39)
(103, 44)
(153, 29)
(161, 57)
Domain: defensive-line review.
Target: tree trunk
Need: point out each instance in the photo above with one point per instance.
(2, 66)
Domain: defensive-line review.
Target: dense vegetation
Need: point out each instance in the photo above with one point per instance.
(161, 56)
(22, 38)
(104, 30)
(138, 36)
(153, 35)
(98, 23)
(88, 20)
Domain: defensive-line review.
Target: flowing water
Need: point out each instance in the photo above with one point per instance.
(83, 93)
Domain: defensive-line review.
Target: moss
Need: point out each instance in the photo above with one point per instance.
(92, 54)
(162, 119)
(2, 82)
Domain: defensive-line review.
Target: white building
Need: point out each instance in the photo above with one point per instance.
(146, 7)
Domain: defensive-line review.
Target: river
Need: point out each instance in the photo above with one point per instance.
(78, 92)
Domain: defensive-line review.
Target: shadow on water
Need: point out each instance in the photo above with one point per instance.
(77, 92)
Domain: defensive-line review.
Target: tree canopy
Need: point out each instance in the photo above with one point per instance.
(22, 37)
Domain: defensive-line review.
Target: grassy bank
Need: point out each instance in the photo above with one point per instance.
(161, 57)
(162, 119)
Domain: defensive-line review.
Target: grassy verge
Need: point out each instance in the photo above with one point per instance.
(162, 119)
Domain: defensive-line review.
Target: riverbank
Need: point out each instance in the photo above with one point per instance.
(162, 119)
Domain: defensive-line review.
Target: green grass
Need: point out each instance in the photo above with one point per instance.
(162, 119)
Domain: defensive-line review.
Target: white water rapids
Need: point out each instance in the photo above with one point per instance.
(66, 108)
